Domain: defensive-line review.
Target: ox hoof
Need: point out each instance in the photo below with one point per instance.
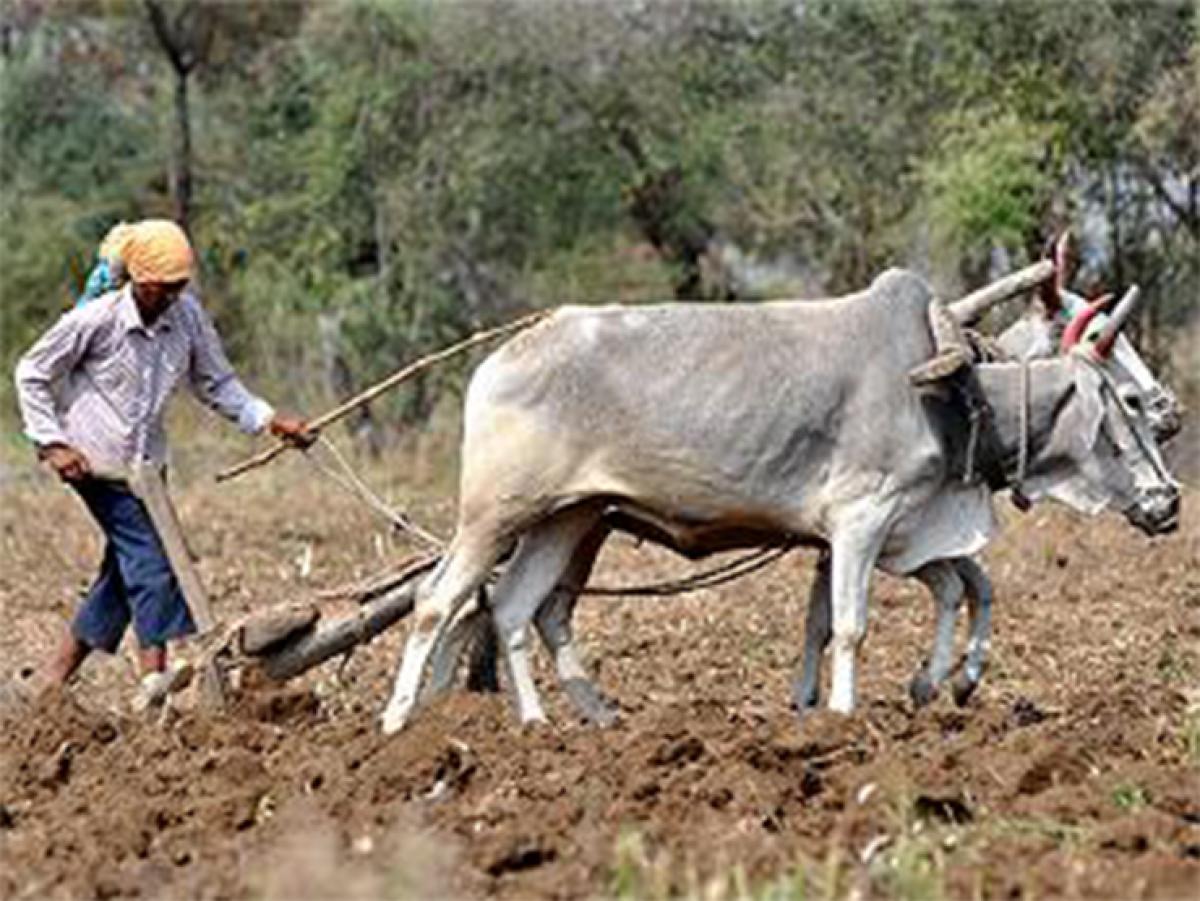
(394, 718)
(804, 700)
(803, 711)
(922, 690)
(534, 720)
(844, 707)
(590, 703)
(805, 705)
(964, 688)
(605, 716)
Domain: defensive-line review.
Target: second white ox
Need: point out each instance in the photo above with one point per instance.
(707, 427)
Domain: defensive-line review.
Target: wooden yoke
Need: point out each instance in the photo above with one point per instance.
(975, 304)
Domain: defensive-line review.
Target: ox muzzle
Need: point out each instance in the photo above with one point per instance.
(1156, 510)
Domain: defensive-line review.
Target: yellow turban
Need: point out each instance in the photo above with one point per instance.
(157, 250)
(112, 248)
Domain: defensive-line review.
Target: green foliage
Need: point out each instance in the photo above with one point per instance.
(1176, 665)
(991, 177)
(73, 160)
(396, 173)
(914, 869)
(1130, 797)
(1189, 736)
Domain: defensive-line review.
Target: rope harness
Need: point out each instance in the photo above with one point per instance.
(350, 482)
(1108, 386)
(980, 412)
(1022, 502)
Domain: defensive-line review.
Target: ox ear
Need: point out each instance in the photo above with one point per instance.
(1080, 414)
(1073, 442)
(1085, 411)
(1059, 254)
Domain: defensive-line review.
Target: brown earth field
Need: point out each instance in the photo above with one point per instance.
(1073, 772)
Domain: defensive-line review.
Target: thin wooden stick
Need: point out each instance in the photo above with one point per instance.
(379, 388)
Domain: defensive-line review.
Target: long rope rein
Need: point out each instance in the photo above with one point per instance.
(350, 481)
(1107, 385)
(1023, 439)
(750, 562)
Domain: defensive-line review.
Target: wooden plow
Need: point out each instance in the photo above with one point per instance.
(290, 639)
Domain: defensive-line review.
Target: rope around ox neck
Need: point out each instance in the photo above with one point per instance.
(1023, 438)
(1020, 501)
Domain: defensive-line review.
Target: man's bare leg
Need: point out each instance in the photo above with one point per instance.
(152, 659)
(67, 659)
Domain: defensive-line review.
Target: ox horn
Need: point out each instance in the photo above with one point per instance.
(975, 304)
(1052, 289)
(1125, 309)
(1078, 325)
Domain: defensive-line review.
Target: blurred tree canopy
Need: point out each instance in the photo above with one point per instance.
(368, 179)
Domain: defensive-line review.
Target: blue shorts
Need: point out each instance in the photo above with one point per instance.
(135, 582)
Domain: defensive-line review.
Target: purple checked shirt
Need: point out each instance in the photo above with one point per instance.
(99, 379)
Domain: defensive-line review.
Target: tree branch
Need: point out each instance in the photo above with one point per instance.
(1188, 215)
(162, 31)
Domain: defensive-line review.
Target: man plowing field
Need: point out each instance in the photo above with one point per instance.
(93, 391)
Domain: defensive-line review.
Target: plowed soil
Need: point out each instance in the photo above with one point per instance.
(1075, 771)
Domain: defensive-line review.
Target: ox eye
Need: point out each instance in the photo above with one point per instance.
(1132, 400)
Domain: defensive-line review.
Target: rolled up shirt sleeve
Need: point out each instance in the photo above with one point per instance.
(48, 361)
(214, 382)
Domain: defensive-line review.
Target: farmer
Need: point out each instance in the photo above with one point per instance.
(92, 393)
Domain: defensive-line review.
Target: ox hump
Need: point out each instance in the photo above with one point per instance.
(903, 286)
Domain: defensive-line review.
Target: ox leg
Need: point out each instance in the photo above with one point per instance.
(553, 623)
(979, 597)
(460, 574)
(443, 662)
(818, 628)
(854, 551)
(942, 579)
(542, 559)
(482, 677)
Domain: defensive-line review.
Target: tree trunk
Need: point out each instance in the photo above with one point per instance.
(658, 206)
(183, 55)
(181, 169)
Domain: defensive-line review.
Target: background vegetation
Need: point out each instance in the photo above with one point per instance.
(367, 180)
